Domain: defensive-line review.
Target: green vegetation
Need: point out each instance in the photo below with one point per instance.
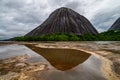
(104, 36)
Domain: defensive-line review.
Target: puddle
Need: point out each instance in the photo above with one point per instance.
(61, 59)
(86, 71)
(70, 64)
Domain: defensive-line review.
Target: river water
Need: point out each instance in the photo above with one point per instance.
(64, 64)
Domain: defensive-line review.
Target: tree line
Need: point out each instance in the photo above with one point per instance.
(104, 36)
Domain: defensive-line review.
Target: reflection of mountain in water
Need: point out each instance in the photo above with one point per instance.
(61, 59)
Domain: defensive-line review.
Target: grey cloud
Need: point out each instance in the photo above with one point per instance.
(27, 18)
(15, 3)
(18, 17)
(77, 6)
(58, 2)
(104, 20)
(73, 5)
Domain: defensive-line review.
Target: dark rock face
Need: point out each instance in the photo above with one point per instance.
(116, 25)
(64, 20)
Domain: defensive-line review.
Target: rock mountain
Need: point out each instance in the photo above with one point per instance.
(116, 25)
(64, 20)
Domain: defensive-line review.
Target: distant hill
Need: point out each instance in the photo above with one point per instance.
(64, 20)
(116, 25)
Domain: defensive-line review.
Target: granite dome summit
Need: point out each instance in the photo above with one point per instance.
(116, 25)
(64, 20)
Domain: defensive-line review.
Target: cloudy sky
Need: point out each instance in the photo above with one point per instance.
(18, 17)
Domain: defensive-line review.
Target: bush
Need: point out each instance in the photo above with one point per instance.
(104, 36)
